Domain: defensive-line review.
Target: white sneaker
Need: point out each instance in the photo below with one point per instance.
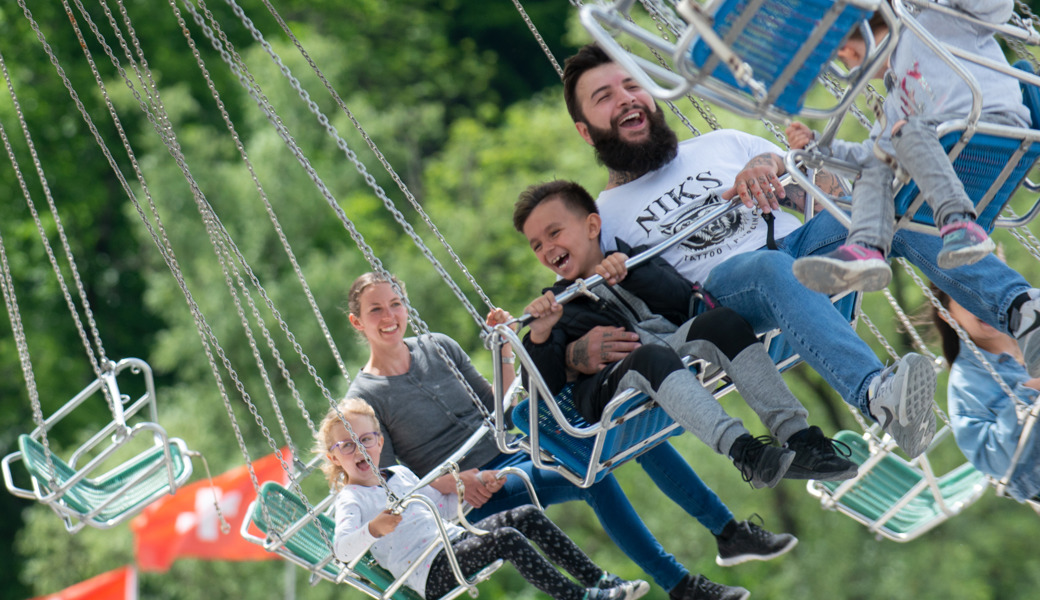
(1025, 326)
(901, 399)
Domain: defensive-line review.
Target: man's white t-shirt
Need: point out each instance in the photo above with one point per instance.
(650, 209)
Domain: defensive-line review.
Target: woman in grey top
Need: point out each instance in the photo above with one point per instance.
(425, 413)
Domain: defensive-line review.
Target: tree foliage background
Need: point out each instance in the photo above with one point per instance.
(464, 105)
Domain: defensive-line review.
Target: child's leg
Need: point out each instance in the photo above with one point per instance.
(922, 155)
(476, 552)
(724, 338)
(919, 150)
(873, 211)
(859, 263)
(554, 543)
(658, 372)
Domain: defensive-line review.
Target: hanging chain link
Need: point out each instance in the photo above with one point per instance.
(384, 162)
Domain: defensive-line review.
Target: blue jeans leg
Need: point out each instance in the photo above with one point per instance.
(677, 479)
(762, 288)
(986, 288)
(608, 501)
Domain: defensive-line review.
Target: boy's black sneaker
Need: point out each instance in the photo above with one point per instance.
(702, 588)
(819, 457)
(750, 541)
(761, 464)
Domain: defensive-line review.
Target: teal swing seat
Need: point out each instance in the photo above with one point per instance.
(304, 536)
(80, 489)
(894, 498)
(758, 58)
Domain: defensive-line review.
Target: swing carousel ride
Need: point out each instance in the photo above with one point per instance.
(763, 59)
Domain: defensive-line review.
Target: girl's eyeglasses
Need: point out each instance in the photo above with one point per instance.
(348, 447)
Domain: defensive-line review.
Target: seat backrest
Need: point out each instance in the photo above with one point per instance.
(34, 456)
(774, 36)
(576, 453)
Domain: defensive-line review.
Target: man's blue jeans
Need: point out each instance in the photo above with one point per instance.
(762, 288)
(665, 466)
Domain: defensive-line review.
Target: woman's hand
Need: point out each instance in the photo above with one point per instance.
(497, 316)
(384, 523)
(475, 493)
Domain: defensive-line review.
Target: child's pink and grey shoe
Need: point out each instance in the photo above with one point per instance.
(964, 243)
(850, 267)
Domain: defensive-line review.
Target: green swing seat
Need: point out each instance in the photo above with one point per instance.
(113, 497)
(304, 538)
(894, 498)
(78, 488)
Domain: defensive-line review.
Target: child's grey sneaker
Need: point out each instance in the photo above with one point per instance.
(964, 243)
(850, 267)
(702, 588)
(753, 542)
(1025, 326)
(760, 463)
(619, 589)
(901, 399)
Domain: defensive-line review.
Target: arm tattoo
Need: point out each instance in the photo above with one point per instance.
(762, 160)
(829, 183)
(794, 197)
(578, 354)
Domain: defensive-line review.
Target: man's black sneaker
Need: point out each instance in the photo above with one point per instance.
(819, 457)
(761, 464)
(702, 588)
(753, 542)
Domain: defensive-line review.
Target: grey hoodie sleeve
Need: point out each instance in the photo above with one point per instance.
(990, 11)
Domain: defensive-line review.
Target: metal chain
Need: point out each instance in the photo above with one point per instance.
(1027, 239)
(417, 324)
(14, 315)
(163, 244)
(100, 361)
(918, 341)
(880, 336)
(230, 249)
(323, 120)
(538, 37)
(382, 159)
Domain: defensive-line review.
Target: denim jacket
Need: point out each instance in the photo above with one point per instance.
(985, 420)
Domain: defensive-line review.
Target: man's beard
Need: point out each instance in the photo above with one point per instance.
(635, 158)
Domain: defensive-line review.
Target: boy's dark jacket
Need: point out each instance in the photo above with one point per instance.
(667, 301)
